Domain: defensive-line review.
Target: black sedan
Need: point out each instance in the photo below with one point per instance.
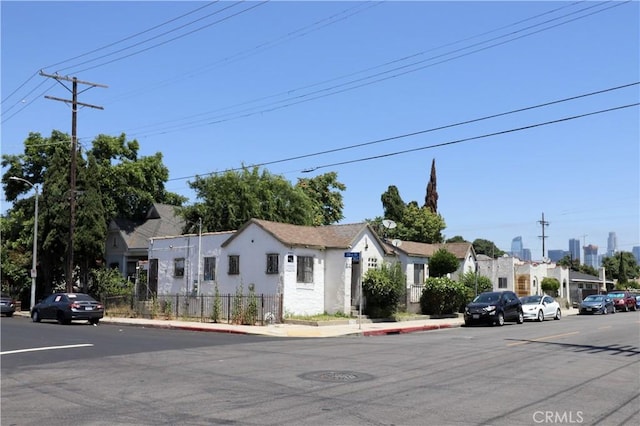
(66, 307)
(597, 304)
(7, 305)
(494, 307)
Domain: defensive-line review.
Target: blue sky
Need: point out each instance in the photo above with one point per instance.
(216, 85)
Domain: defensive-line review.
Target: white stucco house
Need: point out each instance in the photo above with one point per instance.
(523, 277)
(315, 269)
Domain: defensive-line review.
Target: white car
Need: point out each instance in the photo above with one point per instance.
(540, 308)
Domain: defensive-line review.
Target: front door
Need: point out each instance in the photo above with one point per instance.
(355, 283)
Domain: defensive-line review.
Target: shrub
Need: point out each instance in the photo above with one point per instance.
(217, 306)
(383, 288)
(468, 279)
(442, 296)
(550, 286)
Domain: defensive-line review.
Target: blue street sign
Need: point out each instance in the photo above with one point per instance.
(352, 255)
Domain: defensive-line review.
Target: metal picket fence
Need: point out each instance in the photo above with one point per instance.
(257, 309)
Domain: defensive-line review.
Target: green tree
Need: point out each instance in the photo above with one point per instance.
(383, 288)
(392, 204)
(456, 239)
(622, 266)
(112, 181)
(486, 247)
(568, 262)
(443, 262)
(232, 198)
(324, 191)
(431, 199)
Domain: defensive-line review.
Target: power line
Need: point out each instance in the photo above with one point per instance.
(433, 129)
(104, 47)
(359, 82)
(291, 35)
(487, 135)
(438, 145)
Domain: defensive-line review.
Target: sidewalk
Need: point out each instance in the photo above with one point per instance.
(352, 328)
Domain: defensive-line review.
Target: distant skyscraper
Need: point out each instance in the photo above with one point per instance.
(516, 247)
(636, 253)
(591, 256)
(612, 244)
(574, 249)
(526, 254)
(556, 255)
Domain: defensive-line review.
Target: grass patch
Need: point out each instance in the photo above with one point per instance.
(318, 317)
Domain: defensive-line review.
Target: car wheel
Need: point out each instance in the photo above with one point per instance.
(605, 310)
(10, 314)
(540, 316)
(500, 319)
(626, 308)
(520, 317)
(94, 321)
(35, 316)
(61, 319)
(558, 315)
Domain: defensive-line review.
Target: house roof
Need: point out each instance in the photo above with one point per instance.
(582, 277)
(161, 220)
(322, 237)
(412, 248)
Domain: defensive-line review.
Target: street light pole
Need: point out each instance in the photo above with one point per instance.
(34, 270)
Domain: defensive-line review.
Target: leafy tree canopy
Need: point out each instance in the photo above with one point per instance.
(486, 247)
(457, 239)
(232, 198)
(443, 262)
(622, 266)
(112, 181)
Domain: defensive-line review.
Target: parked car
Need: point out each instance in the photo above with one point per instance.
(66, 307)
(540, 308)
(597, 304)
(494, 307)
(637, 301)
(7, 306)
(623, 300)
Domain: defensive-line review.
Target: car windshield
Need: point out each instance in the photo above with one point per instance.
(593, 298)
(487, 298)
(531, 300)
(616, 295)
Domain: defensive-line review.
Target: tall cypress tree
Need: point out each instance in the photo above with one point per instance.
(431, 199)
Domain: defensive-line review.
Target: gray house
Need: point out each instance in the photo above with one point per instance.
(127, 241)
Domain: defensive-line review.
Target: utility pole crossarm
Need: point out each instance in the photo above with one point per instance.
(67, 78)
(53, 98)
(74, 153)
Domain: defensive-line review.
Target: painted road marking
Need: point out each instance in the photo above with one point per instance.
(542, 338)
(46, 348)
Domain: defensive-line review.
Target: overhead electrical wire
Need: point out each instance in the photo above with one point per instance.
(104, 47)
(484, 136)
(430, 130)
(137, 52)
(291, 35)
(360, 82)
(146, 49)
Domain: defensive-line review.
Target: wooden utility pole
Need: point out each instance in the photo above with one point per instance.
(544, 224)
(74, 152)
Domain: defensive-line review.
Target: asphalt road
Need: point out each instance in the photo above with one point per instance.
(580, 370)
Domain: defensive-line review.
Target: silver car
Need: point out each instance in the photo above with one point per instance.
(539, 308)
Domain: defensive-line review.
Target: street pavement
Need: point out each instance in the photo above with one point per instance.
(350, 327)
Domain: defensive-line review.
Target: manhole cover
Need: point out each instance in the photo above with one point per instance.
(336, 376)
